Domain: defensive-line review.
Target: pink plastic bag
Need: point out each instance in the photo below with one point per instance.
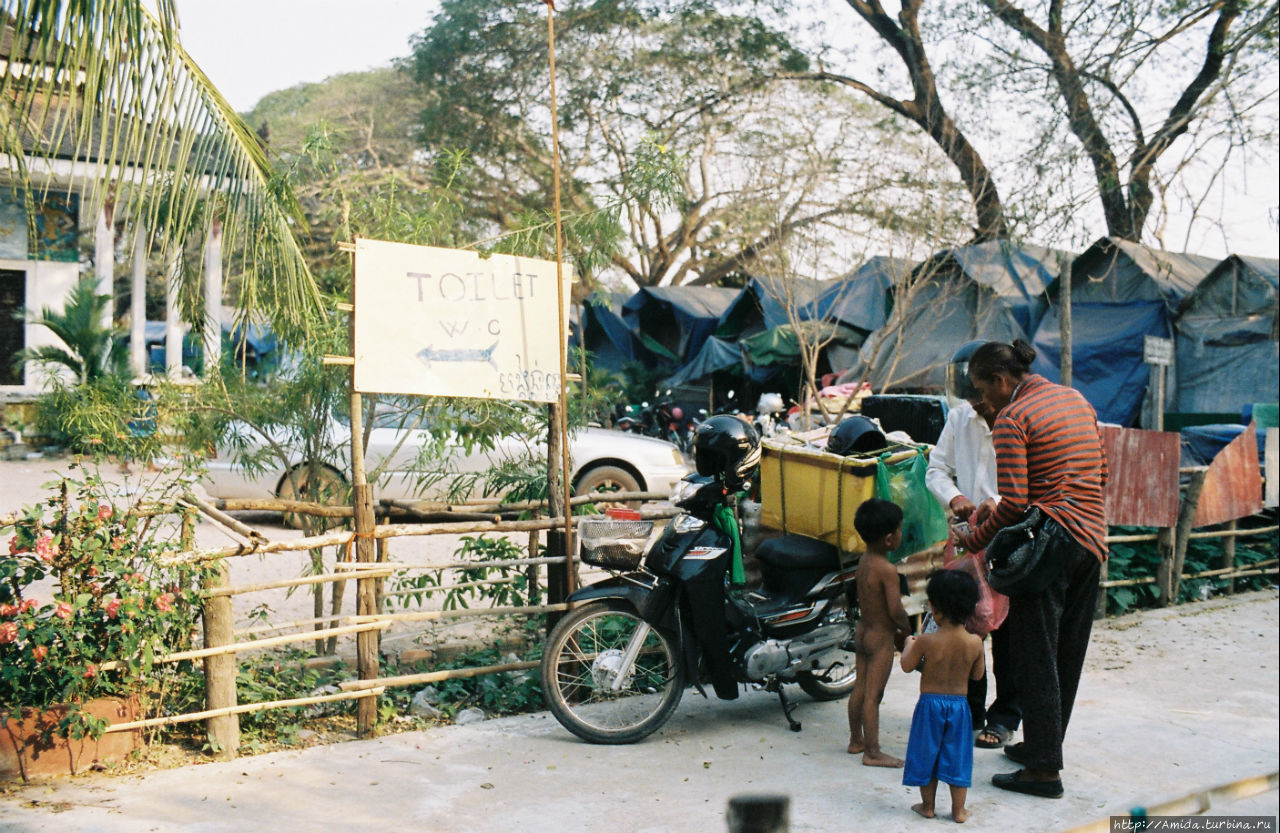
(992, 607)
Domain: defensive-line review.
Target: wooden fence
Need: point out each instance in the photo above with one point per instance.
(222, 644)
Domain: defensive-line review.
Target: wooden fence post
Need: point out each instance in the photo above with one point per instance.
(1229, 555)
(1164, 571)
(1186, 517)
(220, 671)
(759, 814)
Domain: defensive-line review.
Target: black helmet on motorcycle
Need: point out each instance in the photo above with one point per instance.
(856, 435)
(959, 387)
(727, 448)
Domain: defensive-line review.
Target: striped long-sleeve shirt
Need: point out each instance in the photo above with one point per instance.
(1049, 454)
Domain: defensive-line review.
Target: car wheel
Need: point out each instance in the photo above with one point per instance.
(607, 479)
(331, 490)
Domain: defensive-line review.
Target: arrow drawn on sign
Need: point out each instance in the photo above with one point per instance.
(430, 354)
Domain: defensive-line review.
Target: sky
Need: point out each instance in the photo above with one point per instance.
(249, 48)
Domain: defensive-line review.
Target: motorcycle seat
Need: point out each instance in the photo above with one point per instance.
(798, 552)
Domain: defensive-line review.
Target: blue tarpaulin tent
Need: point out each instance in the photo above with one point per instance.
(973, 292)
(762, 305)
(1106, 354)
(716, 356)
(1226, 335)
(604, 333)
(859, 299)
(674, 321)
(1120, 292)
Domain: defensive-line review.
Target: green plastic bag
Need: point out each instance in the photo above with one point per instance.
(924, 523)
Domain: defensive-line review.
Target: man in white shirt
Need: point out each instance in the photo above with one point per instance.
(962, 476)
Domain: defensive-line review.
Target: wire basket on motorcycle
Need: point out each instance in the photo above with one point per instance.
(612, 543)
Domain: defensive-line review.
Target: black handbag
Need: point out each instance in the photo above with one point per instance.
(1017, 561)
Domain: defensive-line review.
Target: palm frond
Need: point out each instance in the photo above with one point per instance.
(106, 84)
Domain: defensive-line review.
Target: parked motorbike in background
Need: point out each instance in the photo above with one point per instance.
(665, 420)
(615, 668)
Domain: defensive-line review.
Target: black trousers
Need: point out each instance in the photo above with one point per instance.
(1004, 710)
(1048, 637)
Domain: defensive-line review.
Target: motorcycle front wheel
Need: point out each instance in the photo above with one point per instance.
(583, 663)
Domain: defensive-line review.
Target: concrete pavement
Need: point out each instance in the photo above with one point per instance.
(1172, 701)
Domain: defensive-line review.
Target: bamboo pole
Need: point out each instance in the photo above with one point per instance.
(457, 565)
(214, 714)
(1130, 539)
(443, 587)
(1193, 803)
(292, 582)
(1233, 532)
(464, 613)
(436, 676)
(345, 538)
(239, 647)
(1252, 570)
(301, 623)
(213, 513)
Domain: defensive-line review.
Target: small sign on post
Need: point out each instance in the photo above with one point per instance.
(1158, 352)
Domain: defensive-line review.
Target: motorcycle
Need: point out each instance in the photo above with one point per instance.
(615, 668)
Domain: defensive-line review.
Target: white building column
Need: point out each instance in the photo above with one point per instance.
(104, 257)
(213, 297)
(172, 321)
(138, 306)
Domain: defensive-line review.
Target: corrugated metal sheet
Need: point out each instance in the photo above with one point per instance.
(1233, 485)
(1142, 486)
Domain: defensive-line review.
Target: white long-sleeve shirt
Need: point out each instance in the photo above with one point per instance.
(964, 460)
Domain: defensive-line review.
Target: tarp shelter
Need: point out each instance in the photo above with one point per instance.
(1120, 292)
(605, 335)
(762, 305)
(1226, 333)
(674, 321)
(718, 358)
(860, 299)
(988, 291)
(773, 358)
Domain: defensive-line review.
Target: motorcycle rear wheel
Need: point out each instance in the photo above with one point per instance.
(836, 682)
(582, 656)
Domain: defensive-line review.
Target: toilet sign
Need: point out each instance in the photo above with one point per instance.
(445, 322)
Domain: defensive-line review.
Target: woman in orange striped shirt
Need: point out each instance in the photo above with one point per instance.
(1048, 454)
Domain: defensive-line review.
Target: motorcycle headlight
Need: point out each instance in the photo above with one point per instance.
(687, 523)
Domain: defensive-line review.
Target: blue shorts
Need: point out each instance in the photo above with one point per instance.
(941, 742)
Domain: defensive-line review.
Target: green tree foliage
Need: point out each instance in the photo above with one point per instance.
(90, 348)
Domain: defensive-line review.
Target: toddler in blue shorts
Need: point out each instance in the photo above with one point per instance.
(940, 747)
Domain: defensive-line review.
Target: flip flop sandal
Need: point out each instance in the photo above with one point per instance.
(1001, 734)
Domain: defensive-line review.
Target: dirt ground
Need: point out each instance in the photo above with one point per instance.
(1172, 702)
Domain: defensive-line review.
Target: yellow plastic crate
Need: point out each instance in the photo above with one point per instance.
(809, 492)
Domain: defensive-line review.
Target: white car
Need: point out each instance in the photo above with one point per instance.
(601, 460)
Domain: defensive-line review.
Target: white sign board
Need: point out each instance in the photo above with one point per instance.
(1156, 350)
(444, 322)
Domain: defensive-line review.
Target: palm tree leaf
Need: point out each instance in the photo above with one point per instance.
(107, 84)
